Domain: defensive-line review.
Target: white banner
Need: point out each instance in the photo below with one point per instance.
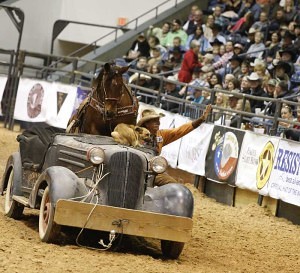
(2, 86)
(193, 149)
(256, 162)
(32, 102)
(63, 99)
(171, 151)
(284, 182)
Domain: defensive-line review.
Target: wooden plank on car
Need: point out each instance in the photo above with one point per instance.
(126, 221)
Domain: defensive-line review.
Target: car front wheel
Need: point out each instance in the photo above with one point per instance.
(48, 229)
(12, 208)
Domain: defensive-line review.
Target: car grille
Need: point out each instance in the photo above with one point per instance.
(126, 180)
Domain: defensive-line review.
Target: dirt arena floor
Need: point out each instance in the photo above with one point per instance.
(224, 239)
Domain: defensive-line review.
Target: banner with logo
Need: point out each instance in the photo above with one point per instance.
(62, 101)
(33, 100)
(171, 151)
(256, 162)
(82, 93)
(284, 181)
(193, 149)
(3, 81)
(223, 153)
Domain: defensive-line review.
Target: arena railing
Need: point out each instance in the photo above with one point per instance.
(185, 107)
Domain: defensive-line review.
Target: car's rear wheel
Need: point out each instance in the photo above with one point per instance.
(48, 229)
(171, 249)
(12, 208)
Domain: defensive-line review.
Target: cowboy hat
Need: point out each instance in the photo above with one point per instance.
(253, 77)
(258, 61)
(290, 51)
(147, 115)
(135, 76)
(284, 65)
(236, 58)
(234, 93)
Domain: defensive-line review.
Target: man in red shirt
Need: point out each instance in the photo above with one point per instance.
(190, 62)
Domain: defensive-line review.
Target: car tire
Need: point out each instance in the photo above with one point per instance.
(48, 229)
(171, 249)
(12, 208)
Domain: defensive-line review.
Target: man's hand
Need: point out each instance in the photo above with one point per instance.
(200, 120)
(207, 111)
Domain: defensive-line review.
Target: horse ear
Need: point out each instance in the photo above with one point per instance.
(106, 67)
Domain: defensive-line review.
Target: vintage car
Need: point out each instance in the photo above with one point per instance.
(91, 182)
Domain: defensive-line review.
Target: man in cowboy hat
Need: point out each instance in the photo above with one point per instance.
(256, 90)
(151, 120)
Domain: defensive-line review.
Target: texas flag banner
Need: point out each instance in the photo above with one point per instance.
(193, 149)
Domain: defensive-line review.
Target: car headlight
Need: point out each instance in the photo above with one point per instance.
(95, 155)
(158, 164)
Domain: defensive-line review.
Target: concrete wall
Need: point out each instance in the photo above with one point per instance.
(40, 16)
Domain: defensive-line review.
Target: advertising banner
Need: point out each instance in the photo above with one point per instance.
(223, 153)
(256, 162)
(33, 100)
(193, 149)
(2, 86)
(62, 101)
(284, 182)
(171, 151)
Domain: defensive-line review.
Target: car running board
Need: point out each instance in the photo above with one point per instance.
(21, 199)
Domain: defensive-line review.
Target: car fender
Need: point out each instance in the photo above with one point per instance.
(62, 183)
(173, 199)
(13, 162)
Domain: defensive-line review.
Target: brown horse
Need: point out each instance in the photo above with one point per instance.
(110, 103)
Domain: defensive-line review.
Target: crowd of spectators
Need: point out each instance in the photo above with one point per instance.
(242, 46)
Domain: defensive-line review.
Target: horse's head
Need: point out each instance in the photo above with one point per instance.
(110, 88)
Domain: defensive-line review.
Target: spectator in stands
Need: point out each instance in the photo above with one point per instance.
(207, 67)
(286, 114)
(156, 57)
(160, 33)
(259, 66)
(235, 103)
(215, 79)
(227, 78)
(238, 49)
(207, 27)
(194, 8)
(242, 25)
(288, 41)
(190, 26)
(290, 10)
(139, 48)
(171, 89)
(250, 5)
(216, 31)
(233, 84)
(235, 66)
(141, 64)
(269, 93)
(221, 64)
(256, 90)
(189, 63)
(154, 44)
(289, 56)
(150, 120)
(154, 83)
(262, 24)
(273, 47)
(219, 19)
(176, 31)
(198, 35)
(281, 70)
(278, 21)
(220, 101)
(245, 68)
(245, 85)
(256, 50)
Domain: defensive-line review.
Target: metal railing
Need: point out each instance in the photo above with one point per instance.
(25, 68)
